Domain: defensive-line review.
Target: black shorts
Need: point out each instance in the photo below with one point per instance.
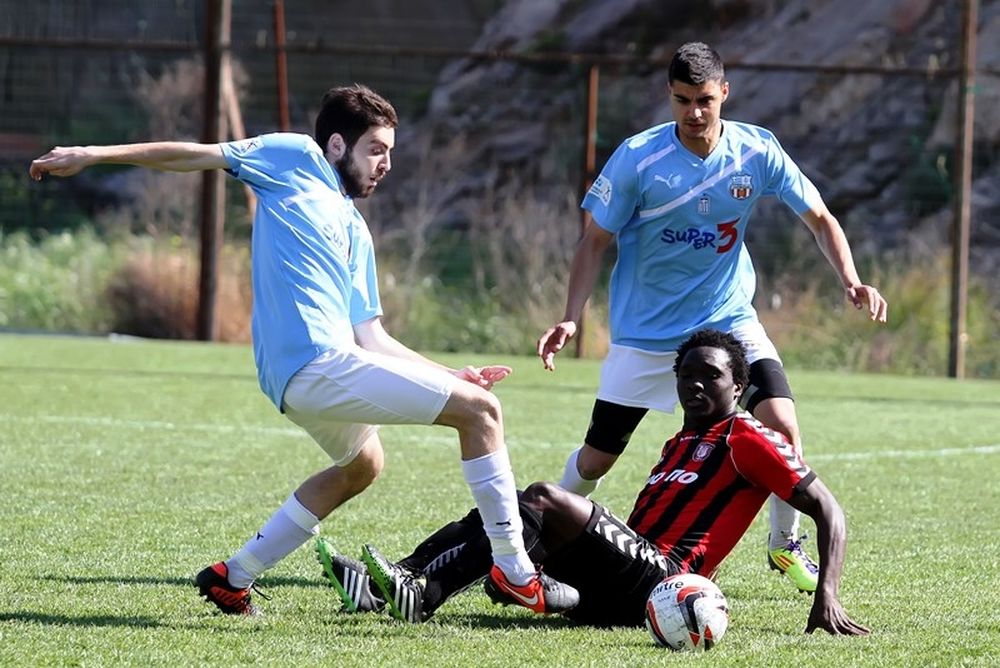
(767, 381)
(613, 568)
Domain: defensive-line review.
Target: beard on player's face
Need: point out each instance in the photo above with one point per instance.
(356, 185)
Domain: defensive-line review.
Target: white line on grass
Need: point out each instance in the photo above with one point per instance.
(905, 454)
(438, 439)
(116, 423)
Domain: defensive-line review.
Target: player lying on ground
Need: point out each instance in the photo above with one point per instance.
(700, 498)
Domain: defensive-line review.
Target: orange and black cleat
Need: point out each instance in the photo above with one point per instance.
(541, 594)
(213, 585)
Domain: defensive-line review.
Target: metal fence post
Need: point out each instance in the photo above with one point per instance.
(589, 167)
(218, 14)
(963, 189)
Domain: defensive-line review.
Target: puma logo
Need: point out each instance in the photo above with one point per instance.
(671, 182)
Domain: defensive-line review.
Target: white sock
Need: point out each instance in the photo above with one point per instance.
(289, 527)
(571, 480)
(784, 523)
(492, 483)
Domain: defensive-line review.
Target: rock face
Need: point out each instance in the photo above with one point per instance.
(879, 147)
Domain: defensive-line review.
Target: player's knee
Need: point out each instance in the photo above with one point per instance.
(480, 411)
(592, 464)
(541, 496)
(364, 469)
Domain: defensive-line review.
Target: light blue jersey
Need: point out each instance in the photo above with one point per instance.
(680, 222)
(313, 261)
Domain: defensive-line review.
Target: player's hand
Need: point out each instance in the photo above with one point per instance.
(866, 296)
(552, 341)
(485, 376)
(60, 161)
(827, 614)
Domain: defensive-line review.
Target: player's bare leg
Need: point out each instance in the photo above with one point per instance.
(476, 414)
(324, 492)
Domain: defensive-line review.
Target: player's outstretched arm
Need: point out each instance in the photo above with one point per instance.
(833, 242)
(168, 156)
(827, 614)
(583, 274)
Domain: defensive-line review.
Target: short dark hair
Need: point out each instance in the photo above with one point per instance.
(713, 338)
(696, 63)
(349, 111)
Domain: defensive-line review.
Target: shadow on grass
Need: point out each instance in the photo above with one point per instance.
(488, 621)
(364, 625)
(81, 620)
(96, 621)
(264, 582)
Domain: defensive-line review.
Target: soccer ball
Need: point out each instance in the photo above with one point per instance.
(687, 613)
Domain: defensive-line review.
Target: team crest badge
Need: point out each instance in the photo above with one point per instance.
(741, 186)
(702, 452)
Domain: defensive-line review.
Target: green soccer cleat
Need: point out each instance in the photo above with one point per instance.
(793, 561)
(348, 578)
(403, 593)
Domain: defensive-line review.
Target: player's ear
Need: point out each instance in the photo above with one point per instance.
(725, 90)
(335, 147)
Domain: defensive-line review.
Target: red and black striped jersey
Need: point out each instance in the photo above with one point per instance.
(707, 488)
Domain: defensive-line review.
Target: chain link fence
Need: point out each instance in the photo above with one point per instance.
(487, 139)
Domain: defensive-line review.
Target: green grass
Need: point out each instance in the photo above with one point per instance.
(126, 467)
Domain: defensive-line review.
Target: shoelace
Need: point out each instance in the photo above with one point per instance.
(795, 547)
(260, 592)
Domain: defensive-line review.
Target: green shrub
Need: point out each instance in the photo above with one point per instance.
(816, 327)
(56, 284)
(147, 286)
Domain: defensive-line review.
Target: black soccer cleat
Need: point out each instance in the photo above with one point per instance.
(349, 579)
(403, 593)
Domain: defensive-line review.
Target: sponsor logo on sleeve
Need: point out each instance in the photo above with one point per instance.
(248, 145)
(601, 190)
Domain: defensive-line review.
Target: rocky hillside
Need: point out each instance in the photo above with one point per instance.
(879, 147)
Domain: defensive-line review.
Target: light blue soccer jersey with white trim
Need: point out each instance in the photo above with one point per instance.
(313, 261)
(680, 223)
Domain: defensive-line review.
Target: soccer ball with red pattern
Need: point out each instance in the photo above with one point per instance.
(687, 613)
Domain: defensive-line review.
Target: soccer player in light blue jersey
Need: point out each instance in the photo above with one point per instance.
(322, 355)
(677, 198)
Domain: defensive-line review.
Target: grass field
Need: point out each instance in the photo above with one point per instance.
(126, 467)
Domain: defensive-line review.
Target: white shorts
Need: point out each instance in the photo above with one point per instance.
(342, 395)
(645, 379)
